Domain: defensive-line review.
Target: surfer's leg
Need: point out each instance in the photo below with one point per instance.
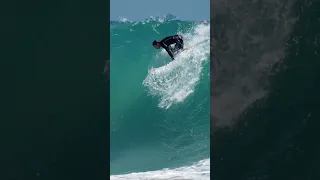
(179, 45)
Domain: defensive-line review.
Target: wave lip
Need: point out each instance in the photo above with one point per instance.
(174, 82)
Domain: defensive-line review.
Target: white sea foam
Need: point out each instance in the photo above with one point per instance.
(174, 82)
(197, 171)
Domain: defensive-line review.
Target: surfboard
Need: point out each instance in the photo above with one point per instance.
(179, 51)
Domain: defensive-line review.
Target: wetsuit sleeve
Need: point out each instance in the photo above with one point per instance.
(164, 46)
(169, 52)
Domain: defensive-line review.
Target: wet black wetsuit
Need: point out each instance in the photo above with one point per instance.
(167, 41)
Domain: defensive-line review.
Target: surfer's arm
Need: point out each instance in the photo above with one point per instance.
(169, 52)
(164, 46)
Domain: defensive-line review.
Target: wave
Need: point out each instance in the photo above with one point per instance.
(198, 171)
(159, 108)
(174, 82)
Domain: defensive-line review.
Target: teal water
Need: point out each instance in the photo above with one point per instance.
(159, 108)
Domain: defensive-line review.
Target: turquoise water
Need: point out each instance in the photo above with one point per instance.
(160, 118)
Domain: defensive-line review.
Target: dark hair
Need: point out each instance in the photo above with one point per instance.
(154, 42)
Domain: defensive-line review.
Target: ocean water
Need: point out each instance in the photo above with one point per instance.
(265, 90)
(160, 109)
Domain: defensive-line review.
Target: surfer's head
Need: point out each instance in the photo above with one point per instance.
(156, 44)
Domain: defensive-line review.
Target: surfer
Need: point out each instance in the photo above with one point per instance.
(167, 41)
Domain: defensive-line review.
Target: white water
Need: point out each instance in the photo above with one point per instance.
(174, 82)
(197, 171)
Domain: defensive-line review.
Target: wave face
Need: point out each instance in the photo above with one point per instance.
(160, 117)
